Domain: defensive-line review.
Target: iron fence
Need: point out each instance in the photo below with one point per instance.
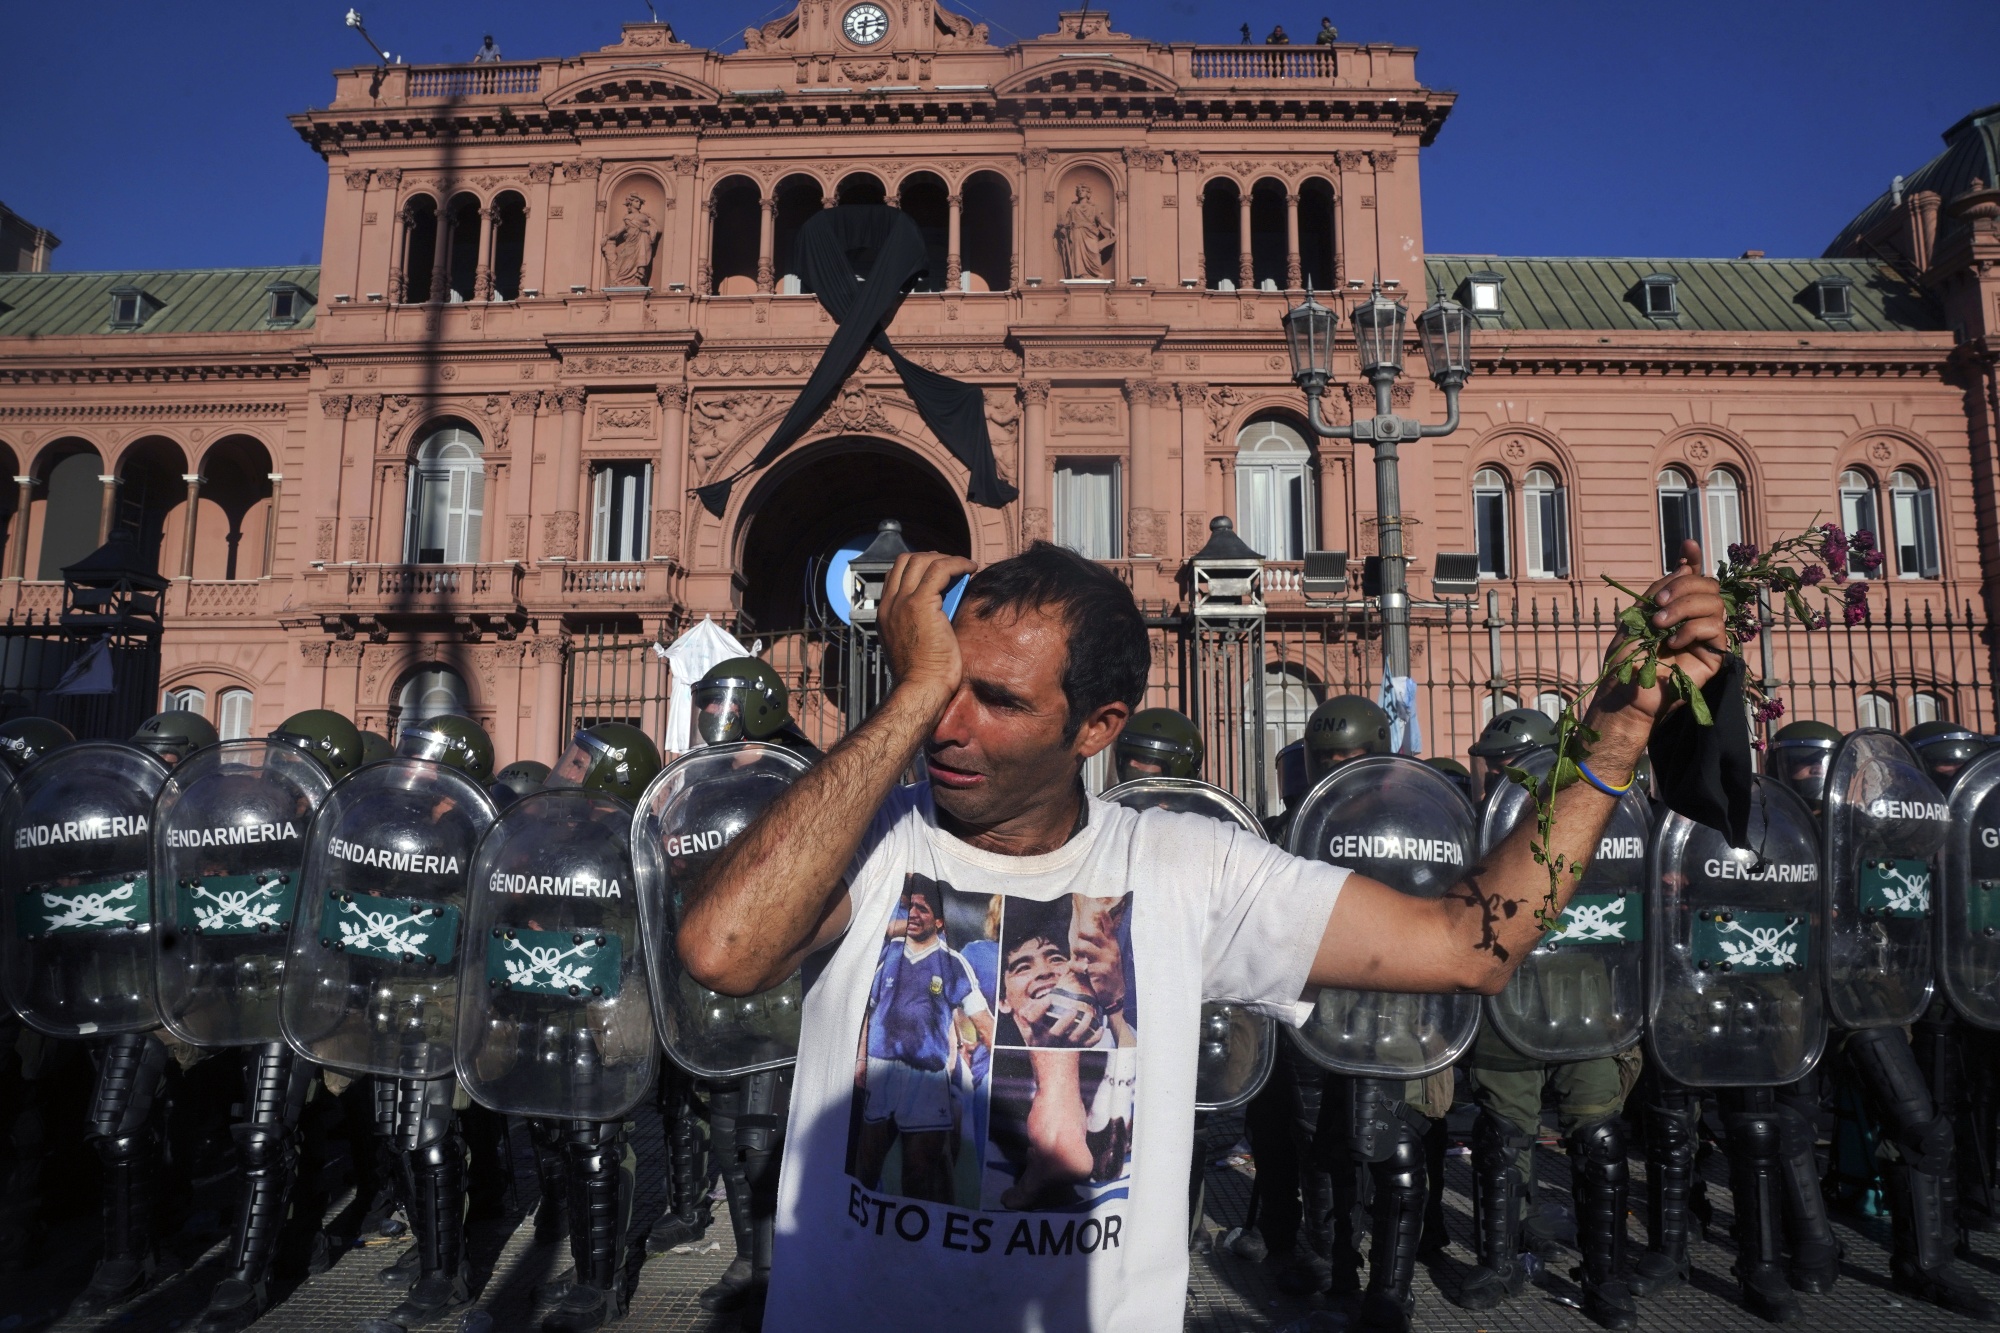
(111, 697)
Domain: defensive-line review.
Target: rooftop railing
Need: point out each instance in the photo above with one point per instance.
(1263, 62)
(474, 80)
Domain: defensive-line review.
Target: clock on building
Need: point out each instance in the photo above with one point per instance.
(865, 25)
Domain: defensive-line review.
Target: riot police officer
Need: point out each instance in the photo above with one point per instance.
(555, 1018)
(371, 984)
(1798, 756)
(523, 777)
(26, 739)
(744, 699)
(1566, 1021)
(1507, 739)
(1945, 748)
(1965, 1065)
(174, 735)
(1292, 787)
(374, 746)
(1460, 775)
(334, 741)
(229, 840)
(1158, 742)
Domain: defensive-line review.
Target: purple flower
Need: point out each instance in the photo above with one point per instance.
(1836, 548)
(1770, 710)
(1821, 621)
(1862, 540)
(1871, 561)
(1855, 613)
(1812, 575)
(1742, 553)
(1833, 533)
(1856, 593)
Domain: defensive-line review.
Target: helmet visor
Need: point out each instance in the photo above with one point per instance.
(423, 743)
(1490, 770)
(583, 754)
(1152, 756)
(720, 712)
(1800, 765)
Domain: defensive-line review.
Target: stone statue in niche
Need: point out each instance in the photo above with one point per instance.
(628, 252)
(1083, 238)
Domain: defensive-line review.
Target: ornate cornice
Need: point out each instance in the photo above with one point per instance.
(14, 372)
(149, 411)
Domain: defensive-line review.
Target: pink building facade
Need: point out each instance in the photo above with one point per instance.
(450, 466)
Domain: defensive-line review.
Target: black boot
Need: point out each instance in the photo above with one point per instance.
(600, 1205)
(1396, 1218)
(1921, 1264)
(131, 1081)
(267, 1152)
(1600, 1183)
(760, 1136)
(1496, 1213)
(552, 1205)
(1670, 1124)
(1812, 1255)
(689, 1213)
(730, 1292)
(435, 1178)
(1754, 1180)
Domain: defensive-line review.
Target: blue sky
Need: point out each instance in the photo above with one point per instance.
(154, 135)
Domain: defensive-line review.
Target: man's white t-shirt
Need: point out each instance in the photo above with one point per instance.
(1057, 1200)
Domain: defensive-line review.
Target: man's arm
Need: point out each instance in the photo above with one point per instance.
(776, 893)
(1474, 937)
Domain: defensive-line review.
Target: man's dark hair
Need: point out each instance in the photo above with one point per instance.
(920, 886)
(1027, 920)
(1108, 654)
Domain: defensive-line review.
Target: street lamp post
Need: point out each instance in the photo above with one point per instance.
(1446, 331)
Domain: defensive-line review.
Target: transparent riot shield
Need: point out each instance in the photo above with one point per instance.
(1405, 824)
(1734, 944)
(692, 810)
(78, 933)
(1969, 901)
(1238, 1045)
(554, 1014)
(229, 847)
(1582, 993)
(371, 979)
(1884, 826)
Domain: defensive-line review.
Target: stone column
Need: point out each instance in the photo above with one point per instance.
(440, 292)
(952, 269)
(108, 508)
(1141, 541)
(343, 678)
(358, 506)
(333, 461)
(308, 688)
(522, 443)
(1245, 273)
(535, 259)
(559, 536)
(668, 484)
(493, 506)
(17, 554)
(482, 275)
(547, 729)
(277, 480)
(1293, 277)
(1035, 461)
(1194, 447)
(399, 237)
(1035, 227)
(704, 269)
(193, 480)
(767, 230)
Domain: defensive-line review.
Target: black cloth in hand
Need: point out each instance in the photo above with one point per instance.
(1705, 773)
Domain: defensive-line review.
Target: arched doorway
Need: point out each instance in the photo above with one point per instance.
(835, 491)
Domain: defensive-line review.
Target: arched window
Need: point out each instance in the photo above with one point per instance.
(733, 237)
(461, 254)
(1724, 494)
(1857, 512)
(1267, 234)
(1316, 214)
(925, 201)
(1221, 235)
(73, 498)
(1489, 522)
(184, 699)
(233, 714)
(510, 244)
(799, 199)
(1680, 516)
(1274, 505)
(447, 495)
(1545, 528)
(431, 692)
(1913, 507)
(986, 234)
(1289, 701)
(420, 224)
(1550, 703)
(1493, 705)
(1875, 709)
(1926, 707)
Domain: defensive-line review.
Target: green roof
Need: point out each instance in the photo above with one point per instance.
(1972, 151)
(1715, 295)
(196, 300)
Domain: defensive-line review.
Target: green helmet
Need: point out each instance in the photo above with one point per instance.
(523, 777)
(1345, 727)
(326, 736)
(740, 699)
(1460, 775)
(1159, 742)
(451, 739)
(1945, 748)
(611, 757)
(26, 739)
(1292, 780)
(1514, 731)
(174, 735)
(374, 746)
(1799, 755)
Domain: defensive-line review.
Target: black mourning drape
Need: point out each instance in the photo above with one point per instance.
(838, 246)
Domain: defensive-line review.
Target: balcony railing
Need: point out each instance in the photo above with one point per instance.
(1263, 62)
(419, 580)
(223, 599)
(604, 578)
(475, 80)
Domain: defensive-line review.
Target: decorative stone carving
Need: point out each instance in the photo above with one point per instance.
(1699, 451)
(1090, 358)
(572, 398)
(718, 421)
(856, 409)
(1222, 406)
(1402, 395)
(583, 169)
(357, 180)
(1352, 159)
(357, 539)
(1083, 238)
(314, 651)
(1148, 532)
(1881, 451)
(1035, 393)
(1516, 450)
(628, 251)
(1035, 157)
(624, 419)
(622, 365)
(367, 405)
(1003, 416)
(667, 534)
(524, 403)
(1187, 160)
(1194, 532)
(1088, 414)
(956, 32)
(865, 71)
(1192, 395)
(1385, 159)
(323, 541)
(541, 173)
(559, 535)
(389, 178)
(548, 649)
(673, 395)
(347, 652)
(1035, 525)
(1144, 159)
(334, 405)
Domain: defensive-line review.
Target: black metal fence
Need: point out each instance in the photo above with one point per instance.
(110, 694)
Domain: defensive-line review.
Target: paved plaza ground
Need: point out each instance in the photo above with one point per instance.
(1225, 1294)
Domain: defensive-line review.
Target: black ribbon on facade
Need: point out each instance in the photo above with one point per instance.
(1705, 773)
(834, 246)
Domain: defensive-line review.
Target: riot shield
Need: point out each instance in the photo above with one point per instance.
(1734, 943)
(1407, 825)
(1582, 993)
(1969, 905)
(1238, 1045)
(692, 810)
(229, 846)
(554, 1017)
(371, 978)
(78, 934)
(1885, 824)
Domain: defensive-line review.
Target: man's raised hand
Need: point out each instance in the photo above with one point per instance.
(1690, 604)
(922, 647)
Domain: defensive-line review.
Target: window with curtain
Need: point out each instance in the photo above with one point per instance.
(1545, 509)
(1274, 504)
(1288, 705)
(1489, 522)
(447, 497)
(186, 699)
(431, 692)
(233, 714)
(1875, 709)
(1724, 496)
(1857, 512)
(1926, 707)
(1913, 508)
(1086, 517)
(620, 496)
(1680, 516)
(1493, 705)
(1550, 704)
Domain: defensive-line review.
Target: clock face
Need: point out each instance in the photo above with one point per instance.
(865, 25)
